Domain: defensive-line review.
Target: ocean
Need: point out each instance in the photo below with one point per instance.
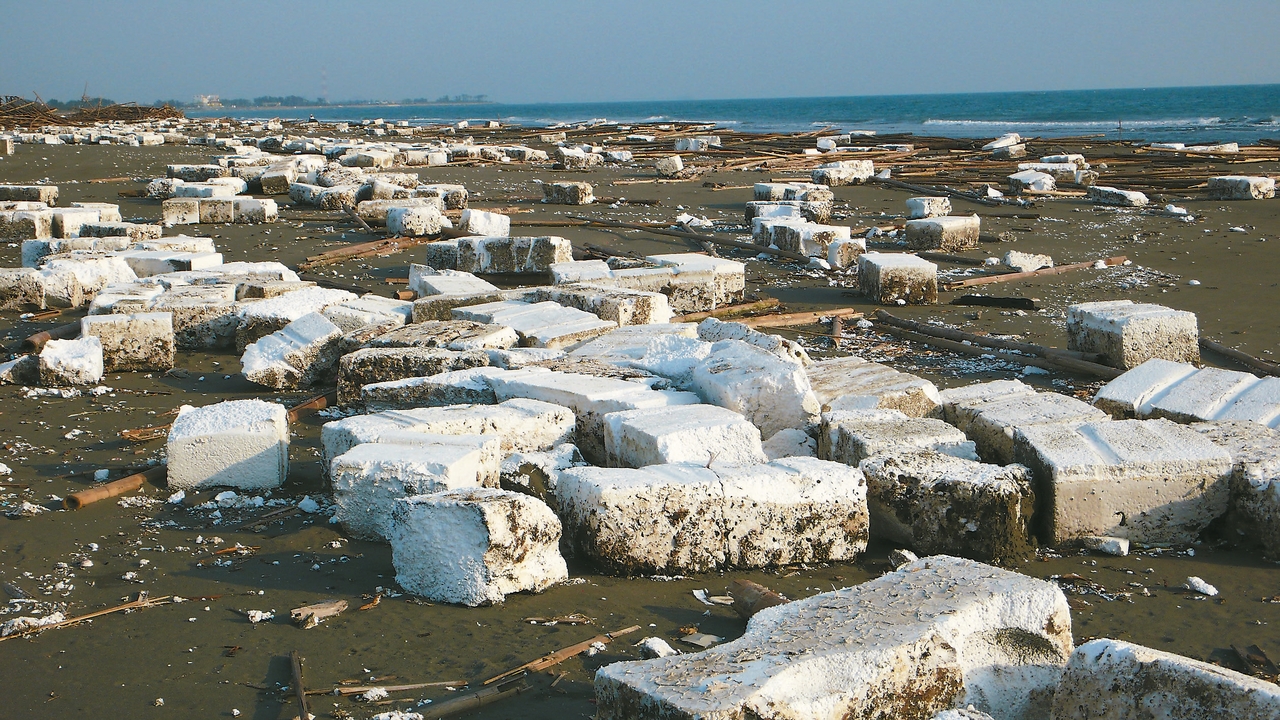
(1238, 113)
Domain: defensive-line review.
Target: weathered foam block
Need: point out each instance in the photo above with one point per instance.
(197, 173)
(845, 172)
(619, 305)
(300, 354)
(814, 211)
(580, 271)
(700, 281)
(180, 211)
(669, 166)
(203, 190)
(369, 478)
(991, 424)
(712, 330)
(1241, 187)
(107, 212)
(95, 271)
(276, 181)
(1255, 481)
(242, 444)
(259, 319)
(590, 398)
(1144, 480)
(568, 193)
(205, 317)
(367, 310)
(449, 334)
(17, 225)
(479, 222)
(952, 233)
(512, 254)
(850, 436)
(34, 252)
(541, 325)
(691, 518)
(1184, 393)
(141, 341)
(476, 546)
(255, 210)
(1026, 181)
(217, 210)
(146, 263)
(375, 212)
(382, 364)
(414, 221)
(1115, 679)
(809, 239)
(538, 473)
(1025, 262)
(851, 383)
(680, 434)
(927, 207)
(454, 196)
(938, 633)
(47, 194)
(62, 288)
(20, 287)
(136, 232)
(940, 504)
(1127, 334)
(769, 191)
(426, 280)
(1114, 196)
(888, 278)
(455, 387)
(441, 307)
(66, 222)
(774, 394)
(520, 425)
(71, 362)
(966, 395)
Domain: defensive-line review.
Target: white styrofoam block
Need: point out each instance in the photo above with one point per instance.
(241, 444)
(1128, 334)
(772, 393)
(138, 341)
(896, 646)
(480, 222)
(475, 546)
(851, 383)
(681, 433)
(299, 354)
(71, 362)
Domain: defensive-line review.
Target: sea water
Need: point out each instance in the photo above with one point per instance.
(1238, 113)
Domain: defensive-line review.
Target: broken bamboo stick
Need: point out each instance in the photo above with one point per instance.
(295, 660)
(804, 318)
(141, 603)
(1077, 366)
(129, 483)
(560, 655)
(1006, 277)
(728, 311)
(699, 236)
(470, 701)
(360, 690)
(962, 336)
(1243, 358)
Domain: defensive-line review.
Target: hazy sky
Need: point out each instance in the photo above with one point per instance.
(575, 50)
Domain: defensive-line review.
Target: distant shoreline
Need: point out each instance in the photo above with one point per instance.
(243, 108)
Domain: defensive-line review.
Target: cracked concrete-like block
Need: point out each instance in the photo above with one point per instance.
(774, 394)
(300, 354)
(851, 383)
(455, 387)
(953, 233)
(681, 433)
(992, 423)
(897, 278)
(1255, 481)
(690, 518)
(1127, 334)
(475, 546)
(1115, 679)
(141, 341)
(938, 633)
(382, 364)
(850, 436)
(944, 505)
(1184, 393)
(242, 444)
(1145, 480)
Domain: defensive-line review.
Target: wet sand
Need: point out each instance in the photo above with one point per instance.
(119, 665)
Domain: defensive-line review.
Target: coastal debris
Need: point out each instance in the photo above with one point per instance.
(1007, 277)
(299, 688)
(142, 602)
(750, 598)
(126, 484)
(559, 656)
(309, 616)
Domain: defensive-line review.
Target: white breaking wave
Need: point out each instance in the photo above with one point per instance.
(1171, 122)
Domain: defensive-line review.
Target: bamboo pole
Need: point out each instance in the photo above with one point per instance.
(1006, 277)
(962, 336)
(728, 311)
(560, 655)
(141, 603)
(804, 318)
(1243, 358)
(295, 660)
(1076, 366)
(129, 483)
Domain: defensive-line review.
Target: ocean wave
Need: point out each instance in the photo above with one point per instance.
(1170, 122)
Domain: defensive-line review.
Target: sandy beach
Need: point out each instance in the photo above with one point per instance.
(205, 659)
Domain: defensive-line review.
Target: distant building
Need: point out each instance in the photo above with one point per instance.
(208, 101)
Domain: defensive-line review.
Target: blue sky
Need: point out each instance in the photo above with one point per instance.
(574, 50)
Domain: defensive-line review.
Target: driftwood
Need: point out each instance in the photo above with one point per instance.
(1006, 277)
(1249, 361)
(352, 690)
(309, 616)
(470, 701)
(141, 603)
(129, 483)
(728, 311)
(1016, 303)
(750, 598)
(63, 332)
(985, 341)
(804, 318)
(560, 656)
(300, 692)
(1076, 366)
(699, 236)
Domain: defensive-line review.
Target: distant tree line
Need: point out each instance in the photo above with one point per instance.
(82, 102)
(291, 101)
